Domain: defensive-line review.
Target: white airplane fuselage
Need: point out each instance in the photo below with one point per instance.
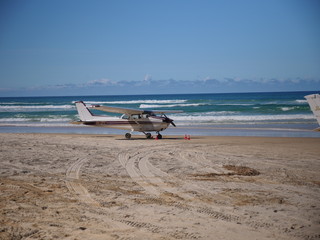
(140, 122)
(131, 124)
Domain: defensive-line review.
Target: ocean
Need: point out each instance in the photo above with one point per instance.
(284, 114)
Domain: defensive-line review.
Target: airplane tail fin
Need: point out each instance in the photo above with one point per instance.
(83, 111)
(314, 102)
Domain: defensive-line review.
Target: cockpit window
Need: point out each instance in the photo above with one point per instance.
(135, 116)
(139, 116)
(124, 116)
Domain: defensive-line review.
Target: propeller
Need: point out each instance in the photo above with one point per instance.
(172, 123)
(168, 120)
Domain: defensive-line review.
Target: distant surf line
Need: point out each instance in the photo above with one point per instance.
(136, 101)
(173, 105)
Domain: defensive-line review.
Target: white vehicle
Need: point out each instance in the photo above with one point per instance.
(131, 119)
(314, 102)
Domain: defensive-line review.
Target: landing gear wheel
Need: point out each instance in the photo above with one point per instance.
(128, 135)
(159, 136)
(148, 135)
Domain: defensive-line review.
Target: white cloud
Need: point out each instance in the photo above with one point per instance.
(101, 82)
(5, 89)
(148, 86)
(147, 77)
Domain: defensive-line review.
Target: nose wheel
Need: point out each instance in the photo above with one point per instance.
(148, 135)
(159, 136)
(128, 135)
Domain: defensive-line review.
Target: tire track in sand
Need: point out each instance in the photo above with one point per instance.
(141, 230)
(152, 179)
(128, 162)
(157, 182)
(74, 185)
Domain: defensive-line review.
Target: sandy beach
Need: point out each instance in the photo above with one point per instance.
(69, 186)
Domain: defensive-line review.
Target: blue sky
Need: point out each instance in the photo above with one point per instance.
(147, 46)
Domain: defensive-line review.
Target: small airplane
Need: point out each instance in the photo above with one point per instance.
(131, 119)
(314, 103)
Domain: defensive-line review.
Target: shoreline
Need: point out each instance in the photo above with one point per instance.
(93, 186)
(259, 130)
(142, 136)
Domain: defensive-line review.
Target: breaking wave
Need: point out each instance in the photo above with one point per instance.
(235, 104)
(301, 101)
(240, 118)
(35, 119)
(285, 109)
(17, 108)
(172, 105)
(136, 102)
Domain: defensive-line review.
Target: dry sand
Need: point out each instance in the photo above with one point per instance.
(59, 186)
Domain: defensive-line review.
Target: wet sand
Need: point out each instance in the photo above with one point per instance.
(63, 186)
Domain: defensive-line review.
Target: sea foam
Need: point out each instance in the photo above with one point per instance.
(136, 102)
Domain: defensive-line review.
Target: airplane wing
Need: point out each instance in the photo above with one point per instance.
(162, 111)
(127, 111)
(130, 111)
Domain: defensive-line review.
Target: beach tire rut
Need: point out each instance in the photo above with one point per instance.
(158, 184)
(160, 187)
(74, 185)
